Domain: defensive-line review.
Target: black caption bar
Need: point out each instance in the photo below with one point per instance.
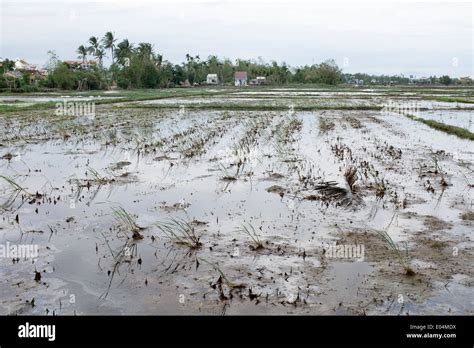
(113, 330)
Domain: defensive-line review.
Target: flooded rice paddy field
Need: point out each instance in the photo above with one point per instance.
(182, 211)
(314, 99)
(27, 101)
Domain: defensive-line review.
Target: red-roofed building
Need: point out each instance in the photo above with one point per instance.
(240, 78)
(465, 80)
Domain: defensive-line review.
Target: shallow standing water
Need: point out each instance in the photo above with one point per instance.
(221, 171)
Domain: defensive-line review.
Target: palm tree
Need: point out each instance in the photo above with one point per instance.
(82, 51)
(159, 59)
(109, 43)
(145, 49)
(124, 50)
(100, 54)
(94, 41)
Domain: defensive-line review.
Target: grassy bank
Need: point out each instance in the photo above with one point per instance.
(119, 97)
(452, 100)
(457, 131)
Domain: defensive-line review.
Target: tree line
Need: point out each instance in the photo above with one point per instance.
(140, 66)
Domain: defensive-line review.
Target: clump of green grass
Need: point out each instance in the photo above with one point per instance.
(378, 184)
(402, 255)
(16, 187)
(354, 122)
(94, 177)
(439, 170)
(288, 127)
(181, 232)
(110, 136)
(248, 229)
(127, 220)
(325, 124)
(380, 188)
(295, 125)
(467, 216)
(97, 177)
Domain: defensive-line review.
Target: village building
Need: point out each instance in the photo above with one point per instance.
(23, 68)
(23, 65)
(240, 78)
(80, 65)
(260, 80)
(423, 81)
(212, 79)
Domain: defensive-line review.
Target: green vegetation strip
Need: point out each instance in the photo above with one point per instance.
(247, 107)
(19, 108)
(133, 96)
(457, 131)
(451, 100)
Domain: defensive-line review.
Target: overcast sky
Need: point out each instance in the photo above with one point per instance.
(421, 38)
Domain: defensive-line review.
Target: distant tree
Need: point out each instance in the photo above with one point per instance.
(190, 68)
(109, 43)
(7, 65)
(141, 67)
(178, 74)
(150, 77)
(124, 51)
(82, 51)
(123, 82)
(227, 71)
(52, 62)
(94, 44)
(145, 49)
(325, 73)
(96, 49)
(445, 80)
(329, 73)
(91, 79)
(100, 54)
(62, 77)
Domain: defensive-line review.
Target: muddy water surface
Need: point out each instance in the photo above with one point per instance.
(265, 193)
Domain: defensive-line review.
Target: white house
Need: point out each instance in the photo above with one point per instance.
(261, 80)
(212, 79)
(23, 65)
